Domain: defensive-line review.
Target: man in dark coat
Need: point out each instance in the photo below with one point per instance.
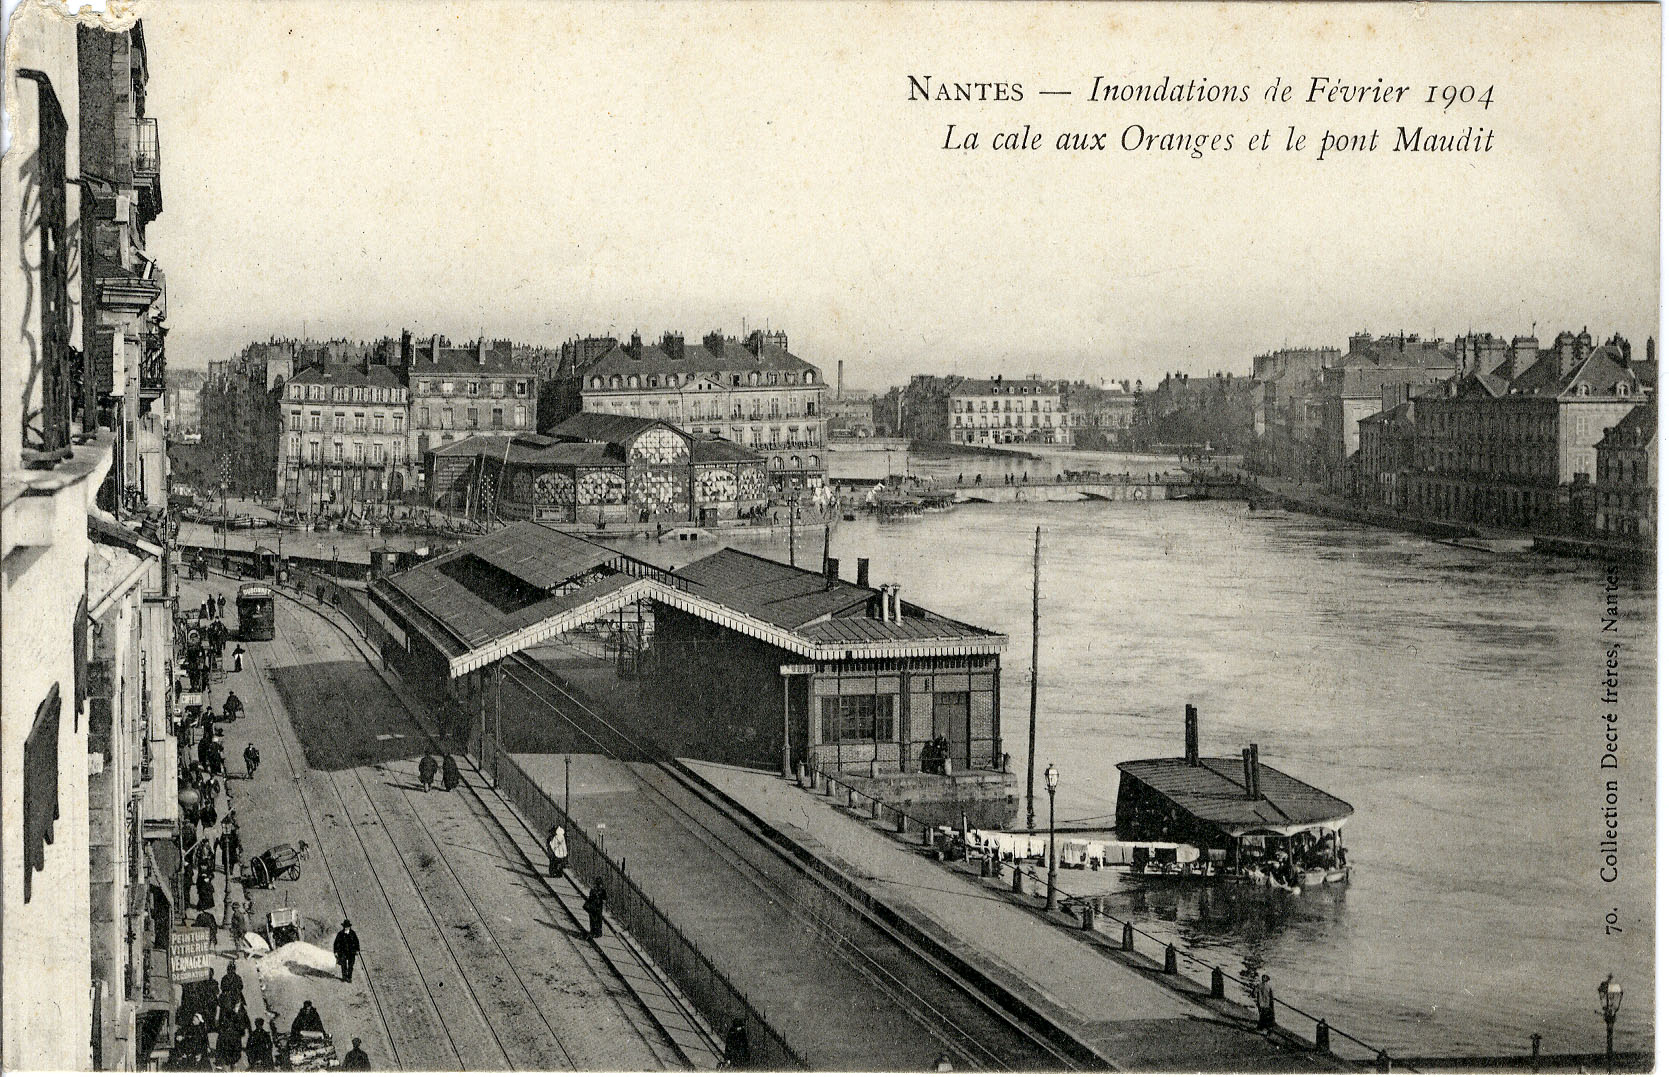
(356, 1059)
(233, 1024)
(251, 759)
(307, 1020)
(738, 1053)
(595, 902)
(231, 984)
(426, 768)
(450, 779)
(259, 1047)
(347, 950)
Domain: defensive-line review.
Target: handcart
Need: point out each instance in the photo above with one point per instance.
(278, 862)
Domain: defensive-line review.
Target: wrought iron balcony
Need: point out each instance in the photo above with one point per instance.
(153, 364)
(147, 148)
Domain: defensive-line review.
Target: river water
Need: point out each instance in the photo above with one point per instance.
(1452, 697)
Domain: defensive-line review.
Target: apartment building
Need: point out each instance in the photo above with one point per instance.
(1000, 411)
(457, 393)
(753, 392)
(345, 440)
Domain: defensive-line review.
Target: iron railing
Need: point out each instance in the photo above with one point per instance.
(147, 147)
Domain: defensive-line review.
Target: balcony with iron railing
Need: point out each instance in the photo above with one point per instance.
(153, 364)
(147, 148)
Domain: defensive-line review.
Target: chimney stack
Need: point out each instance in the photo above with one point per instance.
(863, 572)
(434, 349)
(840, 379)
(481, 352)
(1246, 771)
(1256, 790)
(831, 572)
(1191, 735)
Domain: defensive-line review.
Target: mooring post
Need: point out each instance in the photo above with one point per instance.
(1127, 940)
(1323, 1038)
(1170, 959)
(1216, 983)
(1383, 1062)
(1019, 886)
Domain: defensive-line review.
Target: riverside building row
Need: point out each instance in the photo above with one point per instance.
(1554, 441)
(89, 781)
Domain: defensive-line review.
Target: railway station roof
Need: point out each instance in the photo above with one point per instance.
(1215, 792)
(530, 582)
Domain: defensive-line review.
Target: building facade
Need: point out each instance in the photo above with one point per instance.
(1001, 411)
(1510, 454)
(1625, 479)
(345, 439)
(1099, 417)
(457, 393)
(753, 393)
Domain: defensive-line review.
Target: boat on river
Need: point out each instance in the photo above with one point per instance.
(1250, 822)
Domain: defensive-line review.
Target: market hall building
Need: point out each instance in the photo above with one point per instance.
(599, 469)
(732, 658)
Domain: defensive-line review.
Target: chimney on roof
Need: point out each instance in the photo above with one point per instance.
(714, 342)
(863, 572)
(831, 572)
(481, 352)
(673, 345)
(1190, 735)
(405, 349)
(840, 379)
(634, 347)
(434, 348)
(1254, 779)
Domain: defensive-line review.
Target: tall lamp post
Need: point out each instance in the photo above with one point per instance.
(1610, 1001)
(1051, 781)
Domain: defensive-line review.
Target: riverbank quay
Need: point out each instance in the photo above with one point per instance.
(1135, 1014)
(498, 973)
(1294, 497)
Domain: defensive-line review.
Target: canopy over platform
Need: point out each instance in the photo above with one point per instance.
(530, 582)
(1214, 791)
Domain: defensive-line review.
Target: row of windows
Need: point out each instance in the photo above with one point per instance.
(361, 425)
(651, 409)
(857, 718)
(358, 452)
(473, 388)
(967, 406)
(348, 393)
(1008, 420)
(472, 418)
(673, 381)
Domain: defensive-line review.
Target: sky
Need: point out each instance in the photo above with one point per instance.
(542, 170)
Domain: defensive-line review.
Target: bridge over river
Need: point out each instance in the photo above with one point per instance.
(1165, 487)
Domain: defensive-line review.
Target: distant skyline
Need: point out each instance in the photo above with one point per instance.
(546, 171)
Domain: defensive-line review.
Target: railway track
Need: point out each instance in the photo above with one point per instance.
(975, 1030)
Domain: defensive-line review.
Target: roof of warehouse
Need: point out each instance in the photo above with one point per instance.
(1215, 791)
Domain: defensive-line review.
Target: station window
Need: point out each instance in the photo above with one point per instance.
(857, 718)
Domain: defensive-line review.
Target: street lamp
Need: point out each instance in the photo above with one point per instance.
(1051, 781)
(1610, 1001)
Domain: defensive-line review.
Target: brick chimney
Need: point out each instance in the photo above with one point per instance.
(434, 348)
(673, 345)
(634, 346)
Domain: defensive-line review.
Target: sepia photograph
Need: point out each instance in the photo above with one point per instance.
(846, 536)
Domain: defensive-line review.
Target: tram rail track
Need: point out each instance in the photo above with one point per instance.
(974, 1028)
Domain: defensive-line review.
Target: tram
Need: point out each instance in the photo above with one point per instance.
(255, 612)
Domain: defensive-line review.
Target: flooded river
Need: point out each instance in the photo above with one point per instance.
(1453, 697)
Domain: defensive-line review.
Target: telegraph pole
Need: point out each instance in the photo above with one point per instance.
(1031, 727)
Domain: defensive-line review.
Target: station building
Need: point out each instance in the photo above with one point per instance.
(732, 658)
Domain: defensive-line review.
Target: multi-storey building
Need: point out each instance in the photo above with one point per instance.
(754, 393)
(1191, 412)
(1625, 478)
(1387, 452)
(1510, 453)
(456, 393)
(1100, 417)
(1356, 388)
(125, 301)
(1001, 411)
(1287, 407)
(345, 438)
(82, 595)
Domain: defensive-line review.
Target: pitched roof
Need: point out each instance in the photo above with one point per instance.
(1600, 372)
(732, 357)
(608, 429)
(1637, 428)
(1215, 792)
(355, 374)
(498, 360)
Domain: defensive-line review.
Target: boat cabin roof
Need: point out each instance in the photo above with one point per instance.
(1215, 792)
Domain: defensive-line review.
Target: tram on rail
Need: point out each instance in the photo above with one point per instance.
(255, 612)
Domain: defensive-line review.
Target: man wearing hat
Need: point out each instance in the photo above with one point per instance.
(347, 950)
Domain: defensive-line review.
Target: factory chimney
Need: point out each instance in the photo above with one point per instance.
(840, 379)
(1191, 735)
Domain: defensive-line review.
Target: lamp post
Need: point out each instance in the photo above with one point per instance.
(1610, 1001)
(1051, 781)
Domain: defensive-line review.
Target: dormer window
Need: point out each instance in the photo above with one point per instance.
(631, 382)
(596, 383)
(614, 382)
(654, 382)
(1622, 388)
(1582, 390)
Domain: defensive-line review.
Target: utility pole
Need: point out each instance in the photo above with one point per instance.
(1031, 725)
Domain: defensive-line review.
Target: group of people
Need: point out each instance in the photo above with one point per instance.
(450, 777)
(935, 756)
(556, 846)
(208, 653)
(235, 1034)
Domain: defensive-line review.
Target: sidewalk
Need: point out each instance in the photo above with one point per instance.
(1132, 1017)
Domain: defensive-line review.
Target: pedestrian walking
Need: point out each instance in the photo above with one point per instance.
(220, 603)
(231, 984)
(356, 1059)
(205, 893)
(237, 659)
(239, 921)
(450, 779)
(738, 1053)
(251, 760)
(259, 1047)
(347, 950)
(426, 768)
(231, 848)
(1265, 996)
(595, 902)
(191, 1048)
(556, 843)
(231, 1028)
